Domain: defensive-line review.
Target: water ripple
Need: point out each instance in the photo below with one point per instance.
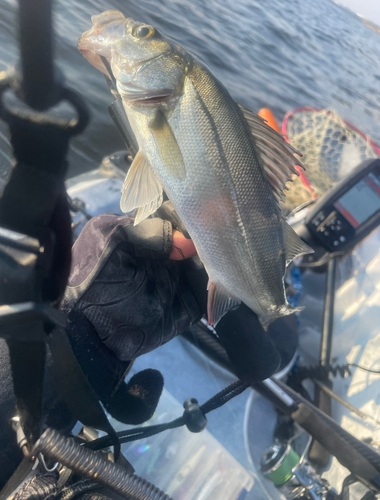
(279, 53)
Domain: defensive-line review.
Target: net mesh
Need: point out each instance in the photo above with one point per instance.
(331, 149)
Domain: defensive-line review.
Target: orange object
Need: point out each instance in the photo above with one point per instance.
(270, 119)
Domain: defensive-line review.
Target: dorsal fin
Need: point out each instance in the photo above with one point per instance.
(276, 154)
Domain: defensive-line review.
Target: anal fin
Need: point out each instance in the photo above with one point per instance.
(218, 303)
(294, 246)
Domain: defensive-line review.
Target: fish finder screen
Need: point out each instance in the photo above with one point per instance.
(361, 201)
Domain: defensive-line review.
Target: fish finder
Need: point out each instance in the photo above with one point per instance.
(349, 210)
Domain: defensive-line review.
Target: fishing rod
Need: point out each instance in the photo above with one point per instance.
(35, 237)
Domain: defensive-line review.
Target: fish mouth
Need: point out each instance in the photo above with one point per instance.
(139, 95)
(87, 46)
(105, 26)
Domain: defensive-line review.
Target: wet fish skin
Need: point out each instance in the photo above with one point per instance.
(195, 141)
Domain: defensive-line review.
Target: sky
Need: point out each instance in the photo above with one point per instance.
(370, 9)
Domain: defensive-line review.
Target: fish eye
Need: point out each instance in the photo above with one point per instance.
(144, 32)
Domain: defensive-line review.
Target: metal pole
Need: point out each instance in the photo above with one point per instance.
(35, 35)
(328, 316)
(322, 400)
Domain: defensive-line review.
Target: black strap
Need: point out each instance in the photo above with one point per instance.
(224, 396)
(28, 361)
(220, 399)
(28, 368)
(75, 388)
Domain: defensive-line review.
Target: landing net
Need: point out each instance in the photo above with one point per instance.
(331, 148)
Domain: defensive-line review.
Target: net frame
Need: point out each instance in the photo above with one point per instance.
(313, 132)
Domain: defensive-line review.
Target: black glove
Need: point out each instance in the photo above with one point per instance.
(126, 298)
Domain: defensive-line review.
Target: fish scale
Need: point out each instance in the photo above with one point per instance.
(196, 144)
(258, 210)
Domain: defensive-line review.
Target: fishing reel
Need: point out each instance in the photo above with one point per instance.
(295, 478)
(293, 475)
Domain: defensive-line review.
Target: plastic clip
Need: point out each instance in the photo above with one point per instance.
(195, 420)
(20, 436)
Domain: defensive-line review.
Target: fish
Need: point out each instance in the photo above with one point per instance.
(221, 166)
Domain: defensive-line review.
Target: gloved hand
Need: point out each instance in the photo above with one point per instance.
(125, 297)
(131, 289)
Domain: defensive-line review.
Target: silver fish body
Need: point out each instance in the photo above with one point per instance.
(219, 189)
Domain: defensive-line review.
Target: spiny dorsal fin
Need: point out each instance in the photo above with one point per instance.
(276, 154)
(294, 246)
(218, 303)
(167, 145)
(141, 189)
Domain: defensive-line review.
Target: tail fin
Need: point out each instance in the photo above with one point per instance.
(284, 310)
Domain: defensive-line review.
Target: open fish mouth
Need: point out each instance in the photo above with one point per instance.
(136, 94)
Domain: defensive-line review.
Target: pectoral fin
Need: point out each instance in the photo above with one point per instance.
(141, 189)
(218, 303)
(168, 148)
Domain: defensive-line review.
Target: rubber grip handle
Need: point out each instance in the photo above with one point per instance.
(318, 454)
(332, 442)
